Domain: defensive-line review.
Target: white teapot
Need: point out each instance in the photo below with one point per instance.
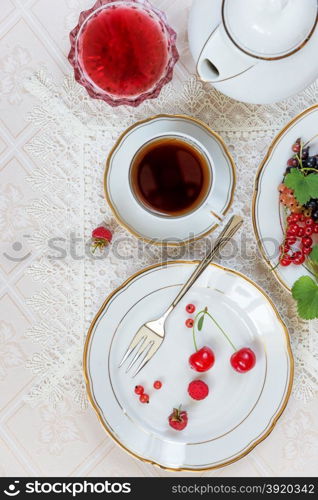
(257, 51)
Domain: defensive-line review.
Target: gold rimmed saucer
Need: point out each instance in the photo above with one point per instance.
(149, 227)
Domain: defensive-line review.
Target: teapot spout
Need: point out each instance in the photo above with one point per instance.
(221, 60)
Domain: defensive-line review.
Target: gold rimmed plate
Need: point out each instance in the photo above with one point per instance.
(240, 411)
(148, 226)
(267, 213)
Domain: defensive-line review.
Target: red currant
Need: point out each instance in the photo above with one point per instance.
(291, 240)
(144, 398)
(190, 308)
(307, 250)
(296, 147)
(285, 261)
(290, 219)
(307, 241)
(316, 228)
(243, 360)
(189, 323)
(299, 258)
(157, 384)
(301, 232)
(309, 221)
(302, 218)
(139, 389)
(292, 231)
(284, 249)
(296, 217)
(292, 162)
(309, 230)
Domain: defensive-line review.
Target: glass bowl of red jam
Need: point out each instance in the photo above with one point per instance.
(123, 52)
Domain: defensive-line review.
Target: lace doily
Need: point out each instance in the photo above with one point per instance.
(75, 135)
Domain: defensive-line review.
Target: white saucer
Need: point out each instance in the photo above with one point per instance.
(165, 230)
(268, 219)
(240, 410)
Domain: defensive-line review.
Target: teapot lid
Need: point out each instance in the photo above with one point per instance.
(269, 29)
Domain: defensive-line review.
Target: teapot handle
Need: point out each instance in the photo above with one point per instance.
(221, 60)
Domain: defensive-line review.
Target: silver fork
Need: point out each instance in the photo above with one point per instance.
(150, 336)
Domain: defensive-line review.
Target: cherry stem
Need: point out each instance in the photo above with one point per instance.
(193, 330)
(205, 311)
(221, 329)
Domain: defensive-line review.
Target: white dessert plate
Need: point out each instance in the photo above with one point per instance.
(169, 230)
(268, 218)
(240, 410)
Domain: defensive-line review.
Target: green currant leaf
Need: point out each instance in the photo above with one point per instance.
(314, 254)
(200, 322)
(305, 292)
(312, 181)
(298, 183)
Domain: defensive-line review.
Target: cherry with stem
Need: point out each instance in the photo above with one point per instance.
(242, 360)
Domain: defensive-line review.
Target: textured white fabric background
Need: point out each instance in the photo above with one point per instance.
(53, 144)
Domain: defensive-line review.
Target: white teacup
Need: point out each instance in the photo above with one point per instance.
(145, 222)
(203, 200)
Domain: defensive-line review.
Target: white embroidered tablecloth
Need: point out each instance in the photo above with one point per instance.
(53, 143)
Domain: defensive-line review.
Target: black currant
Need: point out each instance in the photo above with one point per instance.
(311, 162)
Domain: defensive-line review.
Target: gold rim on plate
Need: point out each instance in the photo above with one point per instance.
(99, 413)
(256, 189)
(115, 212)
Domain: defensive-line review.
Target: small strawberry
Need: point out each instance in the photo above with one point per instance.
(101, 237)
(178, 419)
(198, 390)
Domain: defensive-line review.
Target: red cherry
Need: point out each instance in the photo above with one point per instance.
(144, 398)
(202, 360)
(157, 384)
(189, 323)
(243, 360)
(190, 308)
(139, 390)
(307, 241)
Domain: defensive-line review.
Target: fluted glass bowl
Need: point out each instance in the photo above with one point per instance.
(76, 60)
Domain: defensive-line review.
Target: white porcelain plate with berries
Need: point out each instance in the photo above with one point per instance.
(216, 386)
(285, 210)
